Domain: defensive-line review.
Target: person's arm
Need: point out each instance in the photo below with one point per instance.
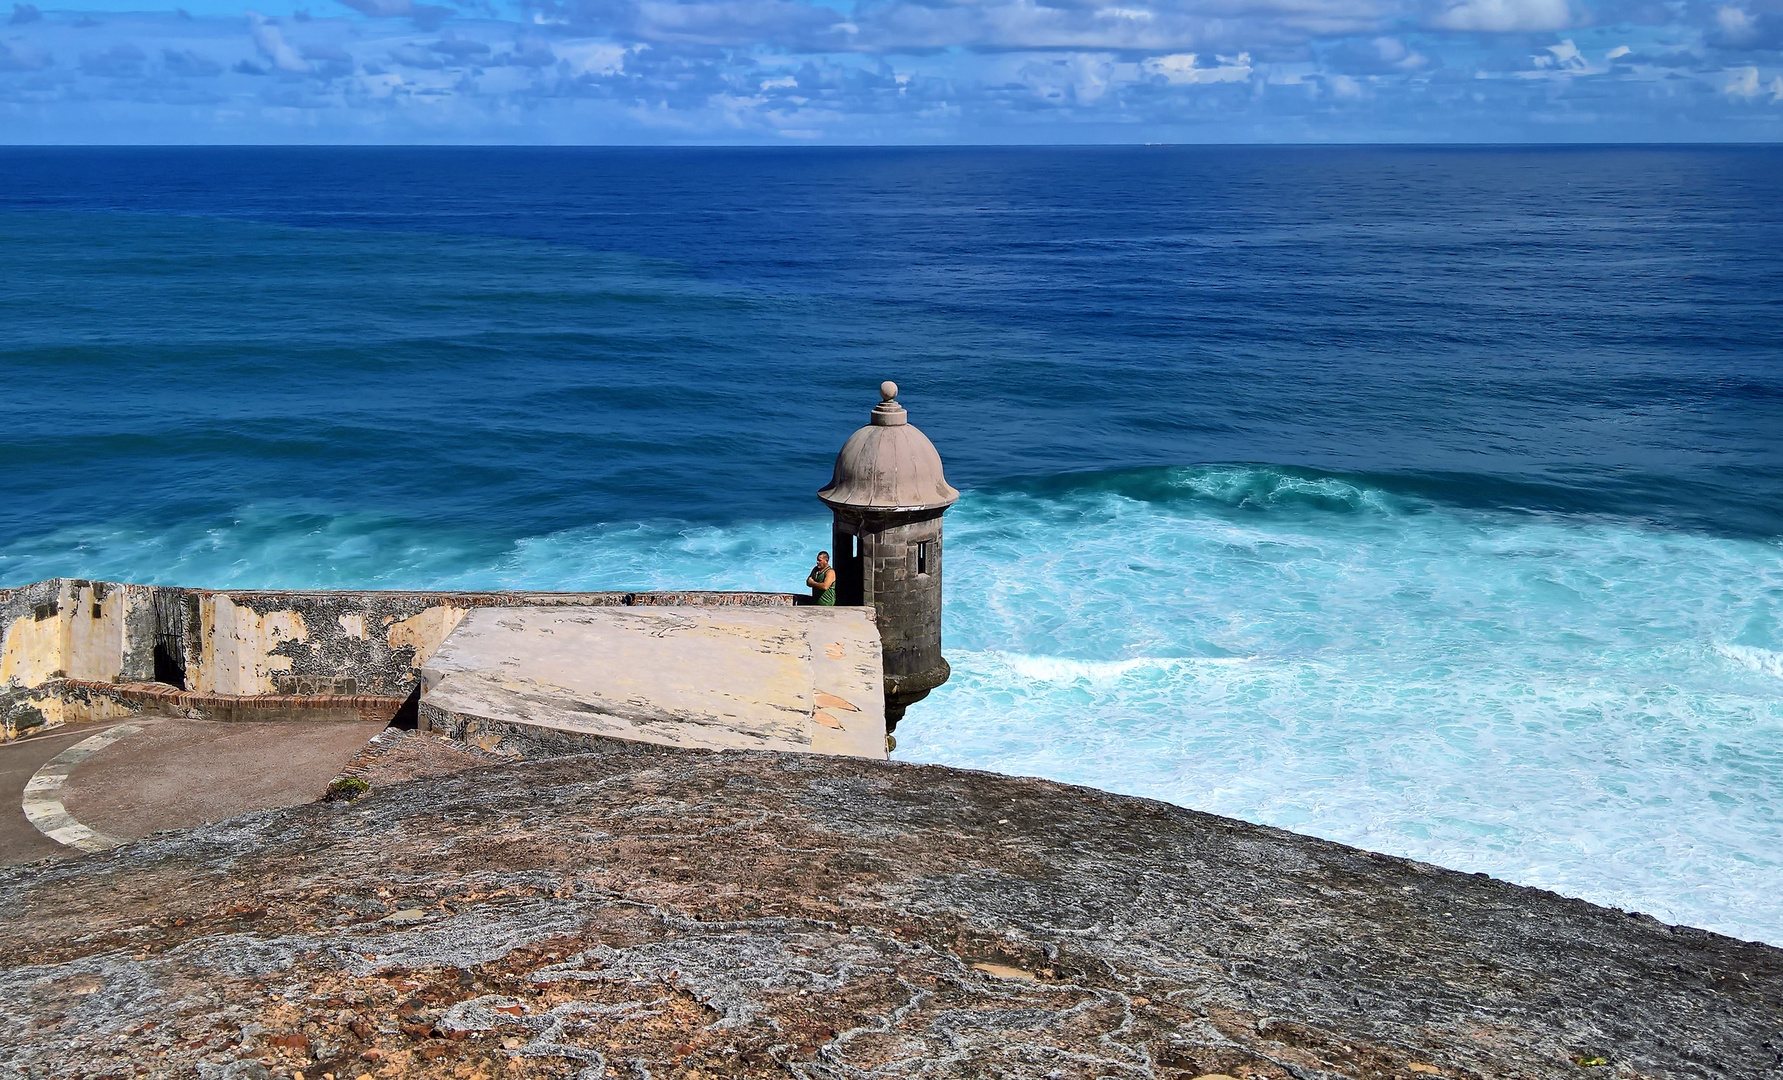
(829, 578)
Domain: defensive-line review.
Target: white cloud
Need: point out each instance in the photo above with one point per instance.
(1504, 16)
(730, 22)
(1091, 77)
(1744, 83)
(1736, 23)
(1566, 56)
(1080, 79)
(924, 26)
(1395, 53)
(592, 57)
(1376, 56)
(1566, 59)
(379, 86)
(272, 44)
(1345, 88)
(1182, 69)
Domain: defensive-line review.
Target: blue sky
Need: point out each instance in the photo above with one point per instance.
(891, 71)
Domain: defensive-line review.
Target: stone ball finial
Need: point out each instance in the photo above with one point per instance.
(888, 391)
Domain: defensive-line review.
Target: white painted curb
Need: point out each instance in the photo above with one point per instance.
(42, 801)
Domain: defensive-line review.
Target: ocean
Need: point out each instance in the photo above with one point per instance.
(1428, 500)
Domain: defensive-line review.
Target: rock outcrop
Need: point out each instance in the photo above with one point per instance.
(649, 912)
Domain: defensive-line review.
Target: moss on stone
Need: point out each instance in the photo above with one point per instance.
(346, 789)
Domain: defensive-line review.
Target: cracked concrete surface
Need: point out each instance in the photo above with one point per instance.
(643, 911)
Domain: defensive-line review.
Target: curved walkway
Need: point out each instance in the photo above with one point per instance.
(20, 842)
(42, 800)
(90, 790)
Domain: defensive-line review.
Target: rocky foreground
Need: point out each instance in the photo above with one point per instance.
(643, 912)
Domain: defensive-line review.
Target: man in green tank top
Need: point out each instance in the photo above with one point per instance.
(823, 581)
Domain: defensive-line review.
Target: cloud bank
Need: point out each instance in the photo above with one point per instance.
(915, 71)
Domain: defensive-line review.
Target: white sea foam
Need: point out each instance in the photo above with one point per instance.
(1063, 670)
(1764, 661)
(1541, 698)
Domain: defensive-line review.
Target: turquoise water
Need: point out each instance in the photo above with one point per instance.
(1566, 702)
(1426, 501)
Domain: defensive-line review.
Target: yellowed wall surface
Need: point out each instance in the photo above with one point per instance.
(425, 631)
(236, 643)
(32, 650)
(95, 643)
(84, 639)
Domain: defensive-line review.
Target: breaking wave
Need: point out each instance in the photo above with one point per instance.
(1573, 701)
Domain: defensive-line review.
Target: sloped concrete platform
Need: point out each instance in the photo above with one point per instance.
(791, 678)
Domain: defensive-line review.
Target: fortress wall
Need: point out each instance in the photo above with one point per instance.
(219, 643)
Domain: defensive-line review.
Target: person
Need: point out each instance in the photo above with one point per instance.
(823, 581)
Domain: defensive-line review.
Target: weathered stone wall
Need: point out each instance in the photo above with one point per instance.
(29, 710)
(908, 602)
(69, 628)
(242, 642)
(903, 588)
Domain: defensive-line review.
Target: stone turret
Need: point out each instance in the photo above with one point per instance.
(888, 494)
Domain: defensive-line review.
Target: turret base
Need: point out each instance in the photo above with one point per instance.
(894, 710)
(903, 691)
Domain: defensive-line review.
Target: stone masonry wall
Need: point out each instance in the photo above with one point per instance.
(909, 603)
(241, 643)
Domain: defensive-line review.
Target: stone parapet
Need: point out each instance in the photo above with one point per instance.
(521, 680)
(235, 644)
(168, 700)
(75, 701)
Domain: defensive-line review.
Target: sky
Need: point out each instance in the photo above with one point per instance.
(794, 72)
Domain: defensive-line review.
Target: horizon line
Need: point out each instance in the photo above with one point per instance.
(1145, 144)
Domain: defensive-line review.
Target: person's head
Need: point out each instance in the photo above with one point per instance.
(823, 558)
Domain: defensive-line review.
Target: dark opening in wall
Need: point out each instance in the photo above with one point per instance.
(408, 718)
(169, 666)
(175, 610)
(922, 556)
(848, 569)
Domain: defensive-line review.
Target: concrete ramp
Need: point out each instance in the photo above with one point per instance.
(789, 678)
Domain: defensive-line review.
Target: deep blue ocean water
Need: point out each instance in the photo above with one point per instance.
(1429, 500)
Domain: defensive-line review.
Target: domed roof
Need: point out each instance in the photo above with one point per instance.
(889, 465)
